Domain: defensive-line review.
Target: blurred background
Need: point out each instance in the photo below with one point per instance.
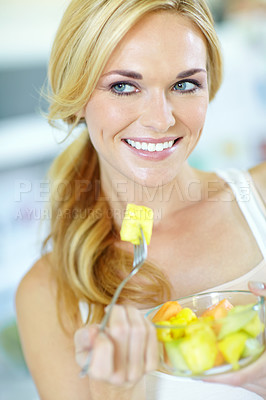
(235, 136)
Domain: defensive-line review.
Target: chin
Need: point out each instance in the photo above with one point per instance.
(153, 179)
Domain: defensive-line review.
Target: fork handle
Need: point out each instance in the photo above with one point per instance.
(86, 366)
(116, 296)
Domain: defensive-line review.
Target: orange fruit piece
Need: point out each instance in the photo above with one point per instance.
(219, 310)
(219, 360)
(168, 310)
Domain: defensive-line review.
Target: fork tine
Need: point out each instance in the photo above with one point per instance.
(140, 246)
(144, 245)
(135, 256)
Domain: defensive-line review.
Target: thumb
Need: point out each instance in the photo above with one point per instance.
(84, 338)
(258, 288)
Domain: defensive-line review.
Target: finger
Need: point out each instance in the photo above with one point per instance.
(137, 344)
(251, 373)
(84, 337)
(118, 330)
(152, 350)
(102, 362)
(83, 341)
(258, 388)
(258, 288)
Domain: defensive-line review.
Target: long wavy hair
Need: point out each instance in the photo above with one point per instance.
(86, 264)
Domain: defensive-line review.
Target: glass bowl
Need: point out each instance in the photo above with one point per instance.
(198, 346)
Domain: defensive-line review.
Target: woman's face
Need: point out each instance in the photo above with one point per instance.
(148, 110)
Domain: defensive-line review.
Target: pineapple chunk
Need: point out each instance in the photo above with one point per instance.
(232, 347)
(199, 351)
(184, 316)
(164, 334)
(136, 217)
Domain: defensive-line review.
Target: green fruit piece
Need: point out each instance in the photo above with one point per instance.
(175, 355)
(236, 319)
(252, 348)
(199, 351)
(254, 327)
(232, 347)
(240, 308)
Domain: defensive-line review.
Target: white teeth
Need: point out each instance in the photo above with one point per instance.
(144, 146)
(151, 147)
(159, 147)
(170, 144)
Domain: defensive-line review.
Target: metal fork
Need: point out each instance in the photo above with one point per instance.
(140, 255)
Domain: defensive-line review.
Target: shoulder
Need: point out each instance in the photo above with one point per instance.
(36, 285)
(35, 301)
(258, 174)
(36, 298)
(48, 349)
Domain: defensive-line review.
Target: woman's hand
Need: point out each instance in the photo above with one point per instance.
(124, 353)
(252, 377)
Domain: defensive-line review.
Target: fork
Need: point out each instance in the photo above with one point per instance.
(140, 255)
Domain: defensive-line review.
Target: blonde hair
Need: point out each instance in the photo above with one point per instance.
(86, 263)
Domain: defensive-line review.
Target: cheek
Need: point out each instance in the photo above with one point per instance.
(194, 114)
(200, 114)
(110, 118)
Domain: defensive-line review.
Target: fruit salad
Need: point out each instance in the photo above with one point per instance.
(221, 335)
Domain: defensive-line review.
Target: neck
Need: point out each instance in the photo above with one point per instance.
(166, 199)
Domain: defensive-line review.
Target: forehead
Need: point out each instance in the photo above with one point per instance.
(161, 37)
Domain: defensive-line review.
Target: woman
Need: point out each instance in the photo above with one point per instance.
(139, 74)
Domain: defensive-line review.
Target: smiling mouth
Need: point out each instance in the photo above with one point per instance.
(151, 147)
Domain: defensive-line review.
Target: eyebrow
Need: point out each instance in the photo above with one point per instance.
(190, 72)
(129, 74)
(136, 75)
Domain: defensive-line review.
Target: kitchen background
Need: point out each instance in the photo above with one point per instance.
(235, 136)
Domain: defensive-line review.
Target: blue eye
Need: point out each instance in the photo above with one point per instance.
(123, 88)
(186, 86)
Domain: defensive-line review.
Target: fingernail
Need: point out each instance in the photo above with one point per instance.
(106, 308)
(85, 335)
(257, 285)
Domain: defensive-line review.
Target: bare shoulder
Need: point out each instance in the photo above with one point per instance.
(258, 174)
(37, 281)
(36, 291)
(48, 349)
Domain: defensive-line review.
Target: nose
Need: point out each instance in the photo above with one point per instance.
(157, 114)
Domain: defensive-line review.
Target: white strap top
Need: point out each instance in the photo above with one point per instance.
(249, 203)
(161, 386)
